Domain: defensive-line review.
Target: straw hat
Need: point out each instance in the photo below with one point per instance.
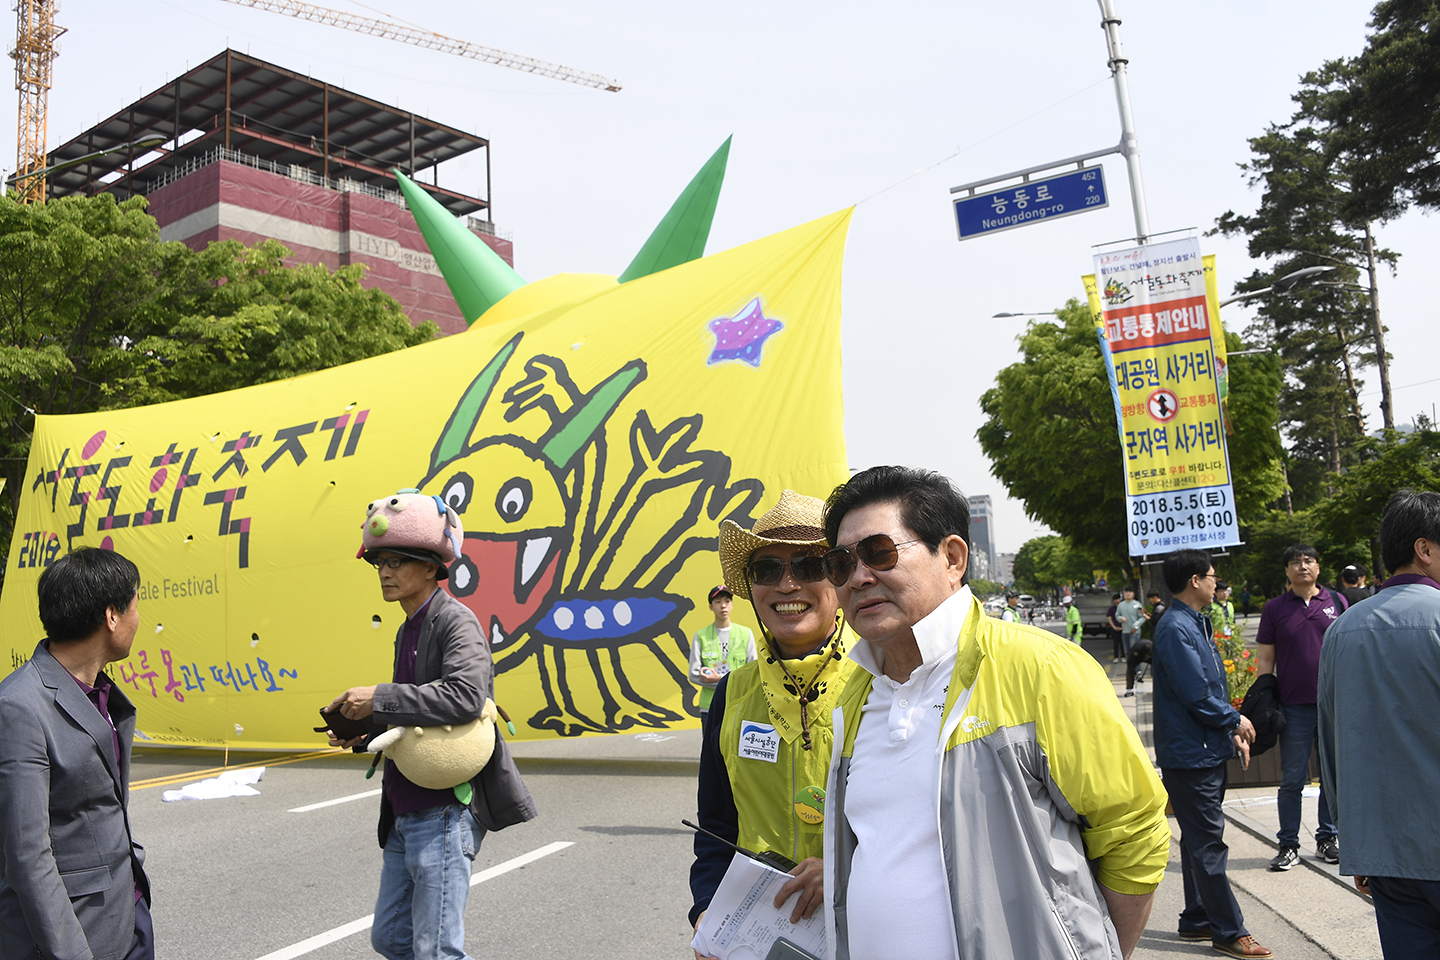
(797, 520)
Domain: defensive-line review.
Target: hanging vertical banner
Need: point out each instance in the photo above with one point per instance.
(1155, 330)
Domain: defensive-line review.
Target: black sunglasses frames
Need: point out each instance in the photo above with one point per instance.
(768, 571)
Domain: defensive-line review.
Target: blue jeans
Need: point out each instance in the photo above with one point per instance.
(1296, 742)
(425, 881)
(1407, 913)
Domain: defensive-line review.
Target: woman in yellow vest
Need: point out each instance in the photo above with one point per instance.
(766, 748)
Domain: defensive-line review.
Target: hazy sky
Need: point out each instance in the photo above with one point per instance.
(881, 105)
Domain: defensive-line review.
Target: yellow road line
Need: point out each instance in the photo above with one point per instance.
(202, 774)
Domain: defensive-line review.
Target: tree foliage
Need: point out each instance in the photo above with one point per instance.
(1052, 439)
(1385, 108)
(1049, 563)
(1051, 435)
(97, 313)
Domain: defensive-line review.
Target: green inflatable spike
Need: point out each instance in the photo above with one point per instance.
(477, 277)
(681, 236)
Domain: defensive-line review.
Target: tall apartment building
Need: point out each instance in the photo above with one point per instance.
(982, 538)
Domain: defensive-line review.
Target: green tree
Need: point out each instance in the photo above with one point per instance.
(1052, 439)
(97, 313)
(1384, 106)
(1049, 563)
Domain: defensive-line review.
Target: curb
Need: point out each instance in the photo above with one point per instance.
(1262, 833)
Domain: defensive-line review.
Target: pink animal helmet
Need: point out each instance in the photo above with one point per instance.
(413, 525)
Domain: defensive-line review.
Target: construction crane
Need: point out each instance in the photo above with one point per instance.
(428, 40)
(34, 54)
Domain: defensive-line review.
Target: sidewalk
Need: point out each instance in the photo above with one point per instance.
(1307, 912)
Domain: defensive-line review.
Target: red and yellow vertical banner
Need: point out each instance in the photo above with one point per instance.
(1158, 331)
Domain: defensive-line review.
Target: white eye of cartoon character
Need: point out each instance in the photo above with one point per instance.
(513, 499)
(397, 504)
(371, 507)
(457, 492)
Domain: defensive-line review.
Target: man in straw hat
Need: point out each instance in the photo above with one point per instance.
(767, 746)
(443, 674)
(987, 798)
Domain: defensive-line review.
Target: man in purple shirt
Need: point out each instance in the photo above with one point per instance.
(443, 674)
(1292, 627)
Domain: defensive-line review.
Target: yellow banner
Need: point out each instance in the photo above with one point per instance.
(591, 435)
(1157, 319)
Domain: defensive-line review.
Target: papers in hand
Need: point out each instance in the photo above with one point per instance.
(742, 923)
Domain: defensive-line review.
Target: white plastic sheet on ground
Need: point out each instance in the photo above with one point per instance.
(231, 783)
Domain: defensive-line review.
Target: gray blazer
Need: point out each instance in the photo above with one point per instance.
(68, 865)
(453, 676)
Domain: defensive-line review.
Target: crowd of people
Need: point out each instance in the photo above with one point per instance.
(937, 782)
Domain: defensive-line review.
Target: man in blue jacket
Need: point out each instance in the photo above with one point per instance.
(1197, 731)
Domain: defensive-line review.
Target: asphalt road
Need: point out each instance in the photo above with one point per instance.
(248, 879)
(244, 878)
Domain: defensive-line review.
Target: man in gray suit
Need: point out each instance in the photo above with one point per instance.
(72, 880)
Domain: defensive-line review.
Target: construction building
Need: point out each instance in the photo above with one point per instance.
(241, 149)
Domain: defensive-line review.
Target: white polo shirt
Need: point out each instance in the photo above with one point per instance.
(899, 896)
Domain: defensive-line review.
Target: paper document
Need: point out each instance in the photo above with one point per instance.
(742, 923)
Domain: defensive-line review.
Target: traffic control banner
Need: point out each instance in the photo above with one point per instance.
(1156, 325)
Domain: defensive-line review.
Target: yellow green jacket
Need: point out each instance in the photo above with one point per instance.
(1069, 798)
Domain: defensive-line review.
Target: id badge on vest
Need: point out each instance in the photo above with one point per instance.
(759, 741)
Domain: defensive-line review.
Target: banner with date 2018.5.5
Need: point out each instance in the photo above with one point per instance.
(591, 436)
(1158, 331)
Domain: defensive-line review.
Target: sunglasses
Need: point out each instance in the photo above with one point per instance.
(769, 570)
(878, 552)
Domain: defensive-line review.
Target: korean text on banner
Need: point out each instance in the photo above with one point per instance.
(590, 435)
(1155, 329)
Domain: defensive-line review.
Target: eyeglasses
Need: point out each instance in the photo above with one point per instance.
(391, 563)
(1304, 562)
(878, 552)
(767, 571)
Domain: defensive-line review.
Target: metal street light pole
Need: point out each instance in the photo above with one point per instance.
(1129, 144)
(1284, 285)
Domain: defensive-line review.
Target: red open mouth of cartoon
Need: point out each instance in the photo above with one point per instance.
(505, 582)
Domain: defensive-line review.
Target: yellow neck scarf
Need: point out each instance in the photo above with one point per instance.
(786, 681)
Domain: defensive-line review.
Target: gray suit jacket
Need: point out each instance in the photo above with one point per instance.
(68, 865)
(453, 676)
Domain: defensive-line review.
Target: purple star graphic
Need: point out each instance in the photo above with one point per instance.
(743, 336)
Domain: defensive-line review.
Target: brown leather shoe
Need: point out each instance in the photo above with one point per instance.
(1246, 946)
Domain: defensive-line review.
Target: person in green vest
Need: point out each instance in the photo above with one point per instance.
(766, 749)
(1011, 611)
(718, 648)
(1221, 612)
(1073, 627)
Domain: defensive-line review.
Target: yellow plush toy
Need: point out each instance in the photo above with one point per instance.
(441, 757)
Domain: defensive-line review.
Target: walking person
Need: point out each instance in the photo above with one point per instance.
(1290, 637)
(1131, 615)
(1074, 629)
(1113, 627)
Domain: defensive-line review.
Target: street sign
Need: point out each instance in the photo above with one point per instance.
(1022, 204)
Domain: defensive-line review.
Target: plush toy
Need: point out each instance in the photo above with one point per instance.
(412, 524)
(442, 757)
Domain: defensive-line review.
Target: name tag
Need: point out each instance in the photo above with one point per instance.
(759, 741)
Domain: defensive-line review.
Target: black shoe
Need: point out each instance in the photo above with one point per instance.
(1328, 850)
(1285, 859)
(1195, 936)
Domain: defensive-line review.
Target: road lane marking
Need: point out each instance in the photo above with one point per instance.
(331, 803)
(314, 943)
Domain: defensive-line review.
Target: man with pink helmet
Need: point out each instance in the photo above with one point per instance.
(442, 675)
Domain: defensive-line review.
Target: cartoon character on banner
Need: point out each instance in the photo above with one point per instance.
(545, 564)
